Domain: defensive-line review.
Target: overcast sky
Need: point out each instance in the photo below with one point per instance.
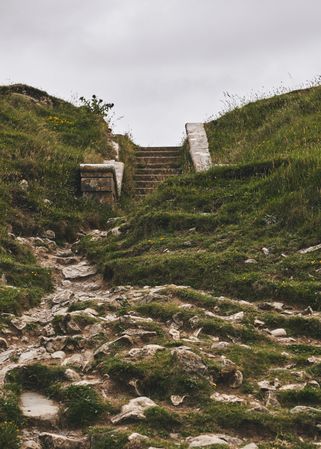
(162, 62)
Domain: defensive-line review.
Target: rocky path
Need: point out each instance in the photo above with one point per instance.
(168, 349)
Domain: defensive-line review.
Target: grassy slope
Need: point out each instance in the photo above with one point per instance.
(200, 229)
(42, 140)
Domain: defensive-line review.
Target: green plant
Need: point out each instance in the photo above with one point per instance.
(97, 105)
(36, 377)
(84, 406)
(160, 418)
(9, 436)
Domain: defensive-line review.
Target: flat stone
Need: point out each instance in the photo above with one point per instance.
(29, 444)
(55, 441)
(37, 406)
(279, 333)
(250, 446)
(229, 398)
(59, 355)
(134, 410)
(311, 249)
(211, 439)
(33, 354)
(145, 351)
(305, 409)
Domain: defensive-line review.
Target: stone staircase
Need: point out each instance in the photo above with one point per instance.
(153, 165)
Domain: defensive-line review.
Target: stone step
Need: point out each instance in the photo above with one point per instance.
(144, 191)
(149, 183)
(162, 165)
(156, 170)
(152, 160)
(156, 178)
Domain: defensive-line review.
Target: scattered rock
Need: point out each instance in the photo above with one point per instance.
(137, 437)
(266, 385)
(279, 333)
(3, 343)
(33, 355)
(311, 249)
(134, 410)
(145, 351)
(237, 380)
(72, 375)
(55, 441)
(250, 446)
(24, 184)
(29, 444)
(177, 400)
(211, 439)
(250, 261)
(49, 234)
(188, 360)
(229, 398)
(305, 409)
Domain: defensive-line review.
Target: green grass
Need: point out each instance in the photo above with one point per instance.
(199, 229)
(36, 377)
(9, 436)
(158, 377)
(84, 406)
(43, 140)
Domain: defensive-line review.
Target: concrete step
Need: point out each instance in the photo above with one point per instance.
(159, 149)
(150, 183)
(156, 178)
(154, 160)
(156, 170)
(163, 153)
(144, 191)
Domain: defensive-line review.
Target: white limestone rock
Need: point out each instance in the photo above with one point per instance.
(134, 410)
(211, 439)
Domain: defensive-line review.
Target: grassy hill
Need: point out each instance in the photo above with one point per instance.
(233, 233)
(200, 229)
(42, 141)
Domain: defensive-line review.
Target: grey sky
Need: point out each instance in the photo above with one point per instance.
(162, 62)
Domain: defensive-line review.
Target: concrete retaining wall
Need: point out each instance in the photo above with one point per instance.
(102, 181)
(198, 146)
